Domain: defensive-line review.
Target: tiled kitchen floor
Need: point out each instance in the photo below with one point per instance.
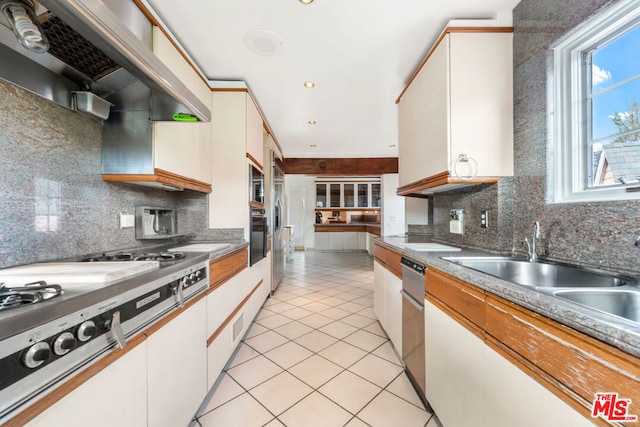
(317, 356)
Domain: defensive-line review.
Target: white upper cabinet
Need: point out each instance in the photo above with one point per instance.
(182, 148)
(459, 103)
(237, 140)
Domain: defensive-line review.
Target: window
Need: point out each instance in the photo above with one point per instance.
(595, 148)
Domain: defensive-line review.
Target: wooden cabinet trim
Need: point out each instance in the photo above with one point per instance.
(224, 268)
(579, 365)
(465, 299)
(161, 176)
(256, 162)
(230, 317)
(54, 396)
(389, 259)
(442, 180)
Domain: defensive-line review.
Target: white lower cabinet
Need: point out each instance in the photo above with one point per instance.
(336, 241)
(176, 368)
(221, 303)
(350, 240)
(378, 291)
(387, 303)
(470, 384)
(321, 241)
(513, 398)
(362, 240)
(116, 396)
(393, 309)
(454, 360)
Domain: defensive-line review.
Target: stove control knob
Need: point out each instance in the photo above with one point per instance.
(36, 355)
(86, 331)
(198, 275)
(193, 277)
(64, 343)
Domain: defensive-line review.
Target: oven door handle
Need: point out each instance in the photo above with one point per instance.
(412, 300)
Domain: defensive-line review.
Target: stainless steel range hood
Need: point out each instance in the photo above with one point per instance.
(119, 30)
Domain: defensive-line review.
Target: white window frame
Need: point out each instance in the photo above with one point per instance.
(567, 154)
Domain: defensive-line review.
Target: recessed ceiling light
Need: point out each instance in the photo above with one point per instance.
(312, 122)
(309, 85)
(306, 1)
(392, 145)
(312, 145)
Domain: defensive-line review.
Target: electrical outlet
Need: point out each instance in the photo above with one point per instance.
(456, 222)
(484, 219)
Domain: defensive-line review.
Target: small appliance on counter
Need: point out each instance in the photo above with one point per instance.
(155, 223)
(318, 217)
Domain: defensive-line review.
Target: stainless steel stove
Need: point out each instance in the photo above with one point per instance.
(49, 332)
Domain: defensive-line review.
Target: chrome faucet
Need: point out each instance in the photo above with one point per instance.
(532, 256)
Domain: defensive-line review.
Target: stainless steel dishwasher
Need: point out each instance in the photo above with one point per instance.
(413, 323)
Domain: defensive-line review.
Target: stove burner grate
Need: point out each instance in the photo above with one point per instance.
(30, 293)
(135, 256)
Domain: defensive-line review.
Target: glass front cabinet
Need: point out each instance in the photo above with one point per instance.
(348, 195)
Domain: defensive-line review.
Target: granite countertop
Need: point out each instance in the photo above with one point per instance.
(617, 331)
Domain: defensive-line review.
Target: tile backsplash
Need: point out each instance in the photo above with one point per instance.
(53, 202)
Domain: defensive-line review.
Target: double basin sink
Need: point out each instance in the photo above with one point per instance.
(608, 292)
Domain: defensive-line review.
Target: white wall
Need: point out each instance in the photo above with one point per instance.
(301, 192)
(393, 207)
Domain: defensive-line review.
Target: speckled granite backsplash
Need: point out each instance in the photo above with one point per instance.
(598, 234)
(53, 202)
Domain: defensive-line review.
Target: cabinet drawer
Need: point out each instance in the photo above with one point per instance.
(579, 366)
(390, 259)
(465, 299)
(222, 269)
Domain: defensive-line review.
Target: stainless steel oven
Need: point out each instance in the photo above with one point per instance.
(257, 235)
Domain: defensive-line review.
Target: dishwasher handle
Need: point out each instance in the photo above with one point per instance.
(412, 300)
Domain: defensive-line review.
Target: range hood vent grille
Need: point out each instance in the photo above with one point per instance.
(73, 49)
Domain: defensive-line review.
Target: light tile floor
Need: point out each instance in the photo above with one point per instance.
(316, 356)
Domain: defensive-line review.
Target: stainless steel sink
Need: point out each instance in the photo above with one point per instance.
(620, 302)
(542, 274)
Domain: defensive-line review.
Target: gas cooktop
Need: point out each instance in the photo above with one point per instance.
(29, 293)
(134, 256)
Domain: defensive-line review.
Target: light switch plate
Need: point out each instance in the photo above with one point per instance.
(127, 220)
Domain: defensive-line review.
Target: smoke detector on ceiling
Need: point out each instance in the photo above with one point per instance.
(264, 42)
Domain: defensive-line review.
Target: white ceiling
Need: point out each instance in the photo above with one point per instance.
(359, 53)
